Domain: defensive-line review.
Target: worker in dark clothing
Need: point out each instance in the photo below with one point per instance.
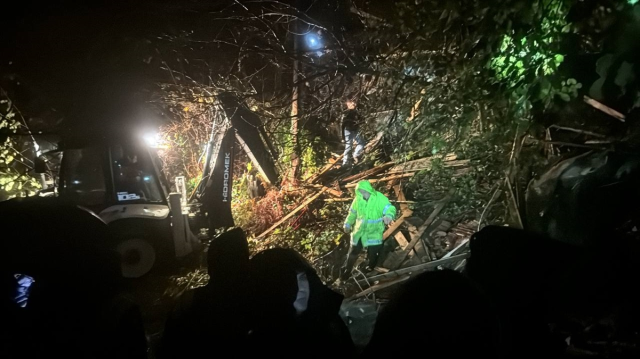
(351, 133)
(368, 215)
(213, 319)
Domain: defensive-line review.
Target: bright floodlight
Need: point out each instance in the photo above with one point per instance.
(313, 41)
(152, 140)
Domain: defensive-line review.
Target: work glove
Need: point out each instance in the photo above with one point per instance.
(387, 220)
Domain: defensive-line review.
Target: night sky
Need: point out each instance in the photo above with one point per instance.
(89, 63)
(95, 64)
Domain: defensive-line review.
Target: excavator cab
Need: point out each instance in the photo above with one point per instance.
(122, 183)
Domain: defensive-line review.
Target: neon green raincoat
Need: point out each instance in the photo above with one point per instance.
(365, 216)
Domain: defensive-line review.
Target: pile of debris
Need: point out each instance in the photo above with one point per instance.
(435, 244)
(413, 245)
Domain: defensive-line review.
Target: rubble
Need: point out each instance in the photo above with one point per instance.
(417, 244)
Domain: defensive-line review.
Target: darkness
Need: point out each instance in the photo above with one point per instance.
(92, 66)
(90, 63)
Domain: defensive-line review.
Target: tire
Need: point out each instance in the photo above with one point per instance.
(137, 257)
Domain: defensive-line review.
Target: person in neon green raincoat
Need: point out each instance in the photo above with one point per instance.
(370, 212)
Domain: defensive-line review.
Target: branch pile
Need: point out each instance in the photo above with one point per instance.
(414, 244)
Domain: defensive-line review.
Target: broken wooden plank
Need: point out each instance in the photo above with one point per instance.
(379, 286)
(458, 250)
(393, 227)
(401, 239)
(381, 270)
(385, 179)
(351, 199)
(425, 164)
(291, 214)
(324, 170)
(415, 237)
(604, 108)
(414, 269)
(396, 224)
(402, 199)
(436, 211)
(333, 192)
(368, 173)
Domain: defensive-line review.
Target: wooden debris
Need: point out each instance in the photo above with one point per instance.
(325, 169)
(377, 287)
(385, 179)
(397, 188)
(425, 164)
(409, 271)
(396, 224)
(291, 214)
(458, 250)
(333, 192)
(351, 199)
(369, 173)
(604, 108)
(415, 237)
(401, 239)
(381, 270)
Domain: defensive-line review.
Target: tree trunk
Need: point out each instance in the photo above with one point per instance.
(295, 107)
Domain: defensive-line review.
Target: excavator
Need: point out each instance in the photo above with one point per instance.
(117, 176)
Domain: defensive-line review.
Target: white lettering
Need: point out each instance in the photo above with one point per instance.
(225, 182)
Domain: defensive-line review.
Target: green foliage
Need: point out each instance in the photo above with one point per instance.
(529, 57)
(15, 180)
(313, 233)
(472, 186)
(309, 241)
(241, 204)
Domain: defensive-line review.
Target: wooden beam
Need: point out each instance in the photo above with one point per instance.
(351, 199)
(379, 286)
(401, 239)
(291, 214)
(367, 173)
(414, 269)
(457, 250)
(436, 211)
(333, 192)
(381, 270)
(324, 170)
(401, 197)
(396, 224)
(415, 237)
(385, 179)
(604, 108)
(425, 163)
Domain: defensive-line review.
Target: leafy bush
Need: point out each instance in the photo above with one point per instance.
(15, 180)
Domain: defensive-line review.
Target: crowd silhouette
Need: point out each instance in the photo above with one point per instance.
(62, 297)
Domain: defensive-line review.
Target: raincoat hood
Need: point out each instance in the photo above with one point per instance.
(365, 186)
